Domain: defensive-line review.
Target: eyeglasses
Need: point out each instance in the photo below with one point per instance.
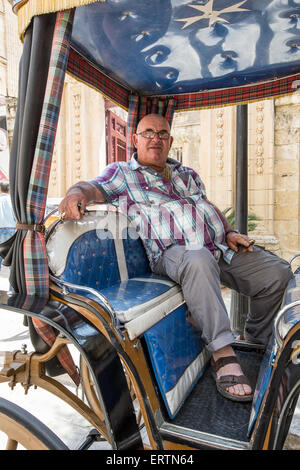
(149, 134)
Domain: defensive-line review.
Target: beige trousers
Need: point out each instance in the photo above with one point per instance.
(259, 274)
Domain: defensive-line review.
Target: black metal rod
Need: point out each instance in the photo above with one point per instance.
(93, 436)
(239, 302)
(241, 204)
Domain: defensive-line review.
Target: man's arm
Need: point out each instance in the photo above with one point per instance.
(78, 196)
(225, 221)
(234, 240)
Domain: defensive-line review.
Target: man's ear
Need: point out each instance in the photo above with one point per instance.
(134, 139)
(171, 142)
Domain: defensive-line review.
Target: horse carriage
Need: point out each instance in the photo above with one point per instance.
(88, 282)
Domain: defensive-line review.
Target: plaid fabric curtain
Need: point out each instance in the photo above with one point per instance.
(139, 106)
(43, 66)
(35, 256)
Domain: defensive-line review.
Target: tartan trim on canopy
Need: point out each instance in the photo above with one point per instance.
(86, 72)
(89, 74)
(139, 107)
(34, 248)
(239, 95)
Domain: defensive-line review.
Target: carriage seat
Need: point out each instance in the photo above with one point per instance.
(103, 252)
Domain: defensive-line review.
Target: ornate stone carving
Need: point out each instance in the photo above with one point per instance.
(11, 108)
(77, 135)
(220, 142)
(259, 140)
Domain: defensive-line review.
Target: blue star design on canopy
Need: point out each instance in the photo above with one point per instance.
(208, 12)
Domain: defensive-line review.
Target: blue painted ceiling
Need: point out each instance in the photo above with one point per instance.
(162, 47)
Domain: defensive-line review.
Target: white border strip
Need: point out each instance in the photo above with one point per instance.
(177, 394)
(145, 320)
(151, 279)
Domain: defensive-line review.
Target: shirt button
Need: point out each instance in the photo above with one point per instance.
(146, 187)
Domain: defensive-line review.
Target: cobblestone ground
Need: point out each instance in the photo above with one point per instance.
(292, 442)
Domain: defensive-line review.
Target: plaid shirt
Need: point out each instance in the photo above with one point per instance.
(164, 212)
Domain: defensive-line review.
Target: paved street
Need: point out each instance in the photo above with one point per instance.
(57, 415)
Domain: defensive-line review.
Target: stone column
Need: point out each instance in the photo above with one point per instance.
(11, 107)
(3, 53)
(10, 53)
(261, 172)
(287, 174)
(79, 152)
(206, 140)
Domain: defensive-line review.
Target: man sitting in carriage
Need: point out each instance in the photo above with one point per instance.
(187, 238)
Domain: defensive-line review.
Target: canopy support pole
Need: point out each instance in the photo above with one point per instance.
(239, 302)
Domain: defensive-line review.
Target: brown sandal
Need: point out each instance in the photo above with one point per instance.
(226, 381)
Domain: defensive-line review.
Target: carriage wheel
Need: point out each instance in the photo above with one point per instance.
(88, 386)
(18, 426)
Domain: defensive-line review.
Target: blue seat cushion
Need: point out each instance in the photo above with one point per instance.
(143, 300)
(91, 262)
(178, 357)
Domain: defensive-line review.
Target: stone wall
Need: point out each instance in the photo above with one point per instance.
(205, 140)
(79, 152)
(10, 53)
(3, 54)
(287, 174)
(261, 182)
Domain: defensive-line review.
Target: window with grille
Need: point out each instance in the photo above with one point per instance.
(115, 138)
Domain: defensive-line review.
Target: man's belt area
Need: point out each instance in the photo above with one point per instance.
(34, 227)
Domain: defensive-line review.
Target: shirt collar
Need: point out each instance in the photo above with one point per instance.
(135, 165)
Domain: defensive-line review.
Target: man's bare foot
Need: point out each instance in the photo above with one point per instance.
(240, 389)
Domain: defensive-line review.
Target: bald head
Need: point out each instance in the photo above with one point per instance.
(149, 119)
(152, 152)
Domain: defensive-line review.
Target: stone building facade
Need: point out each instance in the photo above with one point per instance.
(10, 51)
(203, 139)
(79, 151)
(287, 174)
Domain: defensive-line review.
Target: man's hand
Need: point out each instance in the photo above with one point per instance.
(73, 205)
(237, 241)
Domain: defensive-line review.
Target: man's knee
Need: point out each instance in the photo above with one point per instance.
(276, 268)
(274, 276)
(199, 262)
(282, 274)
